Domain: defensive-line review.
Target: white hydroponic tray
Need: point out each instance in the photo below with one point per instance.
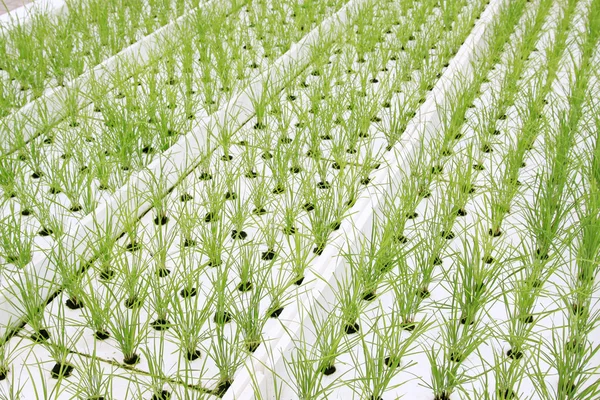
(265, 373)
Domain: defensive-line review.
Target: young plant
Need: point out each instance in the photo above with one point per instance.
(190, 314)
(222, 132)
(59, 345)
(160, 295)
(508, 377)
(69, 266)
(248, 316)
(127, 329)
(240, 213)
(349, 301)
(329, 338)
(259, 195)
(477, 273)
(9, 174)
(212, 238)
(158, 377)
(260, 99)
(300, 256)
(246, 265)
(16, 243)
(458, 343)
(93, 381)
(227, 356)
(7, 347)
(52, 225)
(526, 286)
(187, 219)
(104, 237)
(383, 359)
(305, 373)
(321, 217)
(460, 185)
(97, 300)
(395, 123)
(399, 208)
(407, 287)
(502, 191)
(546, 215)
(29, 301)
(422, 173)
(269, 236)
(369, 261)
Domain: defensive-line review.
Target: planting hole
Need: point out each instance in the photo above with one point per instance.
(515, 355)
(161, 220)
(45, 232)
(61, 371)
(223, 387)
(132, 359)
(238, 234)
(351, 328)
(163, 272)
(205, 176)
(74, 304)
(40, 336)
(328, 370)
(268, 255)
(222, 317)
(188, 292)
(186, 197)
(160, 325)
(101, 335)
(192, 355)
(163, 395)
(244, 286)
(276, 313)
(369, 296)
(259, 211)
(308, 207)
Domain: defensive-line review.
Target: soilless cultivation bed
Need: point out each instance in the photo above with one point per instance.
(317, 199)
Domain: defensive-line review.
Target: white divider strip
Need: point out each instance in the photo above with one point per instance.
(170, 165)
(323, 273)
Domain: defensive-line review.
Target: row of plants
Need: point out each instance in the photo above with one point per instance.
(97, 379)
(526, 289)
